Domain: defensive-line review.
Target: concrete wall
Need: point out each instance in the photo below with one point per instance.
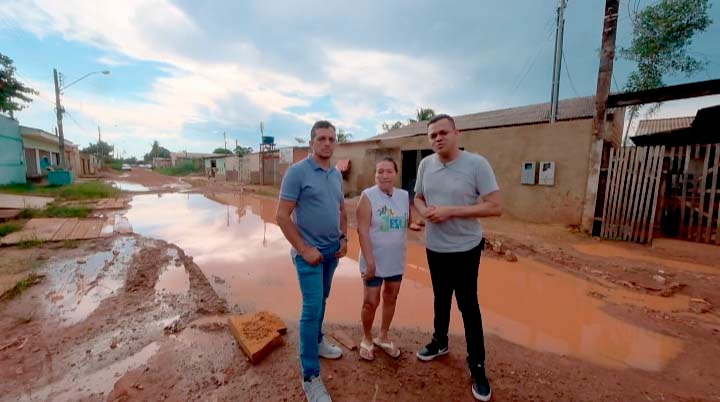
(566, 143)
(12, 156)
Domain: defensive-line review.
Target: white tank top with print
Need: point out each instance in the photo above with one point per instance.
(388, 231)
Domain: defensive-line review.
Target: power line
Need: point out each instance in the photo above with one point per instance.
(567, 71)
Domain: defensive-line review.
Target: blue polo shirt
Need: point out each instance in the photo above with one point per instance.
(318, 194)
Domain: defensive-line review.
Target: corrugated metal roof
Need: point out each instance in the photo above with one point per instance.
(654, 126)
(569, 109)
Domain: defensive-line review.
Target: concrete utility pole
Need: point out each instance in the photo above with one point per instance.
(59, 112)
(607, 57)
(225, 140)
(557, 64)
(99, 154)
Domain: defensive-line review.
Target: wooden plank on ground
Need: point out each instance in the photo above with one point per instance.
(66, 229)
(702, 195)
(639, 192)
(608, 190)
(86, 229)
(620, 188)
(685, 183)
(42, 229)
(655, 193)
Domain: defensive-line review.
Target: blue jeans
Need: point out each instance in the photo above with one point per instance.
(315, 281)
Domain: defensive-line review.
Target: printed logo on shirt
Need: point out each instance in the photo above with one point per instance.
(390, 221)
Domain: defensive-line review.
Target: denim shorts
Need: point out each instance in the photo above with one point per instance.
(378, 280)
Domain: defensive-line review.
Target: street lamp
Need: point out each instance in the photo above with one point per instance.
(59, 109)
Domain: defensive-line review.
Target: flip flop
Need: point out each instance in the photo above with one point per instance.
(388, 347)
(366, 351)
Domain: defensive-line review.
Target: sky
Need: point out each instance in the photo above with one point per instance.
(185, 72)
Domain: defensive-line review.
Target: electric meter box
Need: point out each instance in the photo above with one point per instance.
(528, 172)
(547, 173)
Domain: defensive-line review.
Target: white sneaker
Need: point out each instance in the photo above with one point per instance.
(315, 390)
(329, 351)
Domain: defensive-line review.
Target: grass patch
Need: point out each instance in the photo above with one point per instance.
(76, 191)
(55, 211)
(182, 169)
(7, 228)
(30, 243)
(70, 244)
(21, 286)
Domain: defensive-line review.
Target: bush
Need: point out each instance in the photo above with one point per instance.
(75, 191)
(182, 169)
(7, 228)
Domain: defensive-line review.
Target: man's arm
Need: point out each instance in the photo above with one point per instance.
(421, 205)
(291, 233)
(489, 205)
(343, 229)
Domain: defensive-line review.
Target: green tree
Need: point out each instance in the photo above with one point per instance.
(387, 126)
(222, 151)
(156, 152)
(300, 140)
(343, 136)
(12, 91)
(662, 35)
(242, 151)
(102, 148)
(423, 114)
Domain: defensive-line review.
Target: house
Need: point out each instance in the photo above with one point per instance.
(541, 167)
(223, 167)
(178, 158)
(161, 162)
(678, 131)
(273, 164)
(688, 193)
(89, 164)
(12, 158)
(42, 150)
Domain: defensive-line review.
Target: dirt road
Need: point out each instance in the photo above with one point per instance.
(130, 318)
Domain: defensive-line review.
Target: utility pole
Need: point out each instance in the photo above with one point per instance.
(262, 155)
(59, 112)
(225, 139)
(598, 160)
(557, 65)
(98, 147)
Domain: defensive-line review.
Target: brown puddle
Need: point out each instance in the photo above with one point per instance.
(234, 238)
(609, 250)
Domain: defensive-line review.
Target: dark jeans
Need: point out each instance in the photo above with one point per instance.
(458, 272)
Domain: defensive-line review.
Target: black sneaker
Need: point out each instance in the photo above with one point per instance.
(431, 351)
(480, 384)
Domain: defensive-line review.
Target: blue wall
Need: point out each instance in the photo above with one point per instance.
(12, 157)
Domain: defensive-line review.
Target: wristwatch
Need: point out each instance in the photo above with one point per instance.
(343, 237)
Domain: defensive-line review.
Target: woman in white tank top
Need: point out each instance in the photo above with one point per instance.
(383, 214)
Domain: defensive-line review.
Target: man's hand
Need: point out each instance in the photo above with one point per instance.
(439, 214)
(311, 255)
(369, 271)
(343, 249)
(425, 212)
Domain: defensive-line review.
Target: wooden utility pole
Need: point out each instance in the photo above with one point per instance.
(607, 56)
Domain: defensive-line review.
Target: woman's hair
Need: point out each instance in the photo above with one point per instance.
(389, 159)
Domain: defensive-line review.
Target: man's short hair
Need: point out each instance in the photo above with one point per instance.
(439, 117)
(320, 124)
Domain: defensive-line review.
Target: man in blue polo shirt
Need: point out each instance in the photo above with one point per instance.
(311, 215)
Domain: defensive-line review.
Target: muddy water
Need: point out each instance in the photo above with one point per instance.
(130, 187)
(235, 242)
